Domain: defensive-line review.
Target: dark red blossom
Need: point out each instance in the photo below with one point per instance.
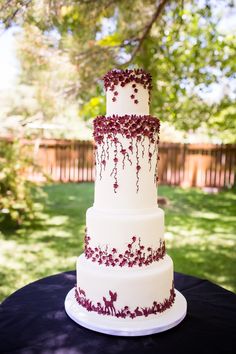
(108, 306)
(135, 128)
(135, 254)
(124, 77)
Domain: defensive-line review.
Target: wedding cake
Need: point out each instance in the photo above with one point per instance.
(124, 276)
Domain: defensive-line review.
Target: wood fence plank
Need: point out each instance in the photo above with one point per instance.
(180, 164)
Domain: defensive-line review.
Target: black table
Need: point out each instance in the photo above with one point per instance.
(33, 320)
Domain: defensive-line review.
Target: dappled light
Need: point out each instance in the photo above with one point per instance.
(48, 244)
(200, 235)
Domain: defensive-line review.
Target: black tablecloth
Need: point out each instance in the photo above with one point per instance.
(33, 320)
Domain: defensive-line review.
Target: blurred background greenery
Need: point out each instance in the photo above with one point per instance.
(51, 87)
(65, 47)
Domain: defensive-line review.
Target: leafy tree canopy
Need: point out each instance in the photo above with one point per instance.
(179, 42)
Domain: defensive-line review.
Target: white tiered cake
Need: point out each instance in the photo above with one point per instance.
(124, 277)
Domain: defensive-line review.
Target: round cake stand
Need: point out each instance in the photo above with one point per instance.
(133, 327)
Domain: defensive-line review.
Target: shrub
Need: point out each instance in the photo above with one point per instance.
(16, 200)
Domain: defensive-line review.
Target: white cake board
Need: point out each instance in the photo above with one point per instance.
(120, 327)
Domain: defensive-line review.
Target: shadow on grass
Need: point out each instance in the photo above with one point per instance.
(200, 235)
(51, 242)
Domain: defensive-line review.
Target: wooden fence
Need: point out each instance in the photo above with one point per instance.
(202, 165)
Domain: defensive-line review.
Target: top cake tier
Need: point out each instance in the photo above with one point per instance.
(127, 92)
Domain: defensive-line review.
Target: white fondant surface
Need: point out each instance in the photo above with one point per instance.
(124, 104)
(116, 229)
(127, 196)
(132, 327)
(135, 286)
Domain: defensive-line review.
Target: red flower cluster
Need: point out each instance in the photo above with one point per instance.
(134, 255)
(133, 127)
(124, 77)
(108, 308)
(130, 126)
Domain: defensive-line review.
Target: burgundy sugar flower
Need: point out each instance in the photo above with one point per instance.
(136, 101)
(110, 303)
(124, 77)
(113, 99)
(137, 253)
(132, 96)
(132, 127)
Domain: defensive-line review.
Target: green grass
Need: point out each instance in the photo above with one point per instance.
(200, 235)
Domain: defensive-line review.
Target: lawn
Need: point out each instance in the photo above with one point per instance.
(200, 235)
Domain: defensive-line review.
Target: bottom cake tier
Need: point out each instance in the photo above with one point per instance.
(125, 293)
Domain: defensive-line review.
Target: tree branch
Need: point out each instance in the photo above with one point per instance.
(148, 28)
(22, 6)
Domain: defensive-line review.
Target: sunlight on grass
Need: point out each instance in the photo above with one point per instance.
(200, 235)
(205, 215)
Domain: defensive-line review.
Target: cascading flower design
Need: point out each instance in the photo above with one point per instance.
(135, 128)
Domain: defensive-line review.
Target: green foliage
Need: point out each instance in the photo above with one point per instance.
(94, 107)
(111, 40)
(16, 200)
(224, 124)
(181, 45)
